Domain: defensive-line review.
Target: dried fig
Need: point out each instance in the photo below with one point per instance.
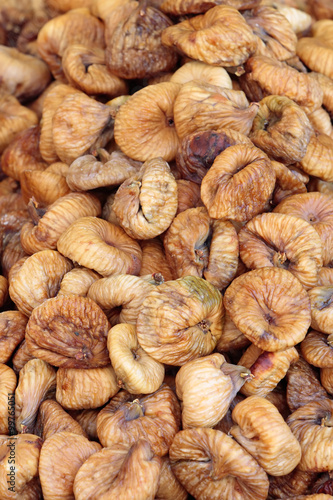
(321, 298)
(12, 330)
(7, 400)
(317, 349)
(154, 260)
(52, 418)
(77, 282)
(196, 70)
(318, 160)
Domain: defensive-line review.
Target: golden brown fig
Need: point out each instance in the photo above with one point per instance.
(225, 189)
(294, 483)
(154, 260)
(12, 330)
(144, 125)
(133, 41)
(37, 381)
(38, 279)
(20, 483)
(85, 68)
(196, 245)
(321, 121)
(52, 418)
(198, 151)
(316, 53)
(312, 426)
(146, 203)
(188, 195)
(180, 320)
(180, 7)
(88, 421)
(77, 282)
(326, 85)
(281, 129)
(136, 372)
(124, 471)
(287, 183)
(231, 337)
(200, 107)
(61, 456)
(76, 26)
(86, 172)
(210, 464)
(21, 356)
(318, 160)
(267, 369)
(155, 417)
(169, 487)
(217, 380)
(196, 70)
(266, 76)
(271, 308)
(101, 246)
(200, 37)
(321, 298)
(3, 290)
(303, 385)
(45, 186)
(317, 349)
(7, 400)
(282, 241)
(264, 434)
(70, 332)
(49, 224)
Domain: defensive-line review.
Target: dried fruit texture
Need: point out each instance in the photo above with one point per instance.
(85, 68)
(22, 153)
(198, 151)
(319, 496)
(324, 187)
(188, 195)
(326, 276)
(146, 203)
(287, 183)
(26, 450)
(37, 381)
(12, 252)
(324, 484)
(326, 379)
(120, 471)
(61, 457)
(197, 70)
(7, 400)
(220, 37)
(196, 245)
(326, 85)
(321, 121)
(169, 487)
(87, 172)
(266, 76)
(22, 75)
(231, 338)
(78, 124)
(180, 7)
(321, 298)
(11, 202)
(281, 129)
(316, 53)
(51, 102)
(261, 430)
(3, 290)
(317, 209)
(133, 41)
(180, 320)
(274, 29)
(300, 21)
(14, 118)
(69, 332)
(294, 483)
(270, 307)
(317, 349)
(239, 183)
(267, 369)
(21, 357)
(8, 185)
(210, 464)
(45, 186)
(136, 371)
(312, 426)
(303, 385)
(318, 160)
(37, 280)
(200, 106)
(77, 282)
(144, 125)
(284, 241)
(49, 224)
(52, 418)
(88, 421)
(218, 380)
(76, 26)
(99, 245)
(154, 260)
(155, 417)
(85, 389)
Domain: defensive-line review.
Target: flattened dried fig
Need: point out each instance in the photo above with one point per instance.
(52, 418)
(70, 332)
(45, 186)
(210, 464)
(180, 320)
(271, 308)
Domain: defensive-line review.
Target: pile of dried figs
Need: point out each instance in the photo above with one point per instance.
(166, 249)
